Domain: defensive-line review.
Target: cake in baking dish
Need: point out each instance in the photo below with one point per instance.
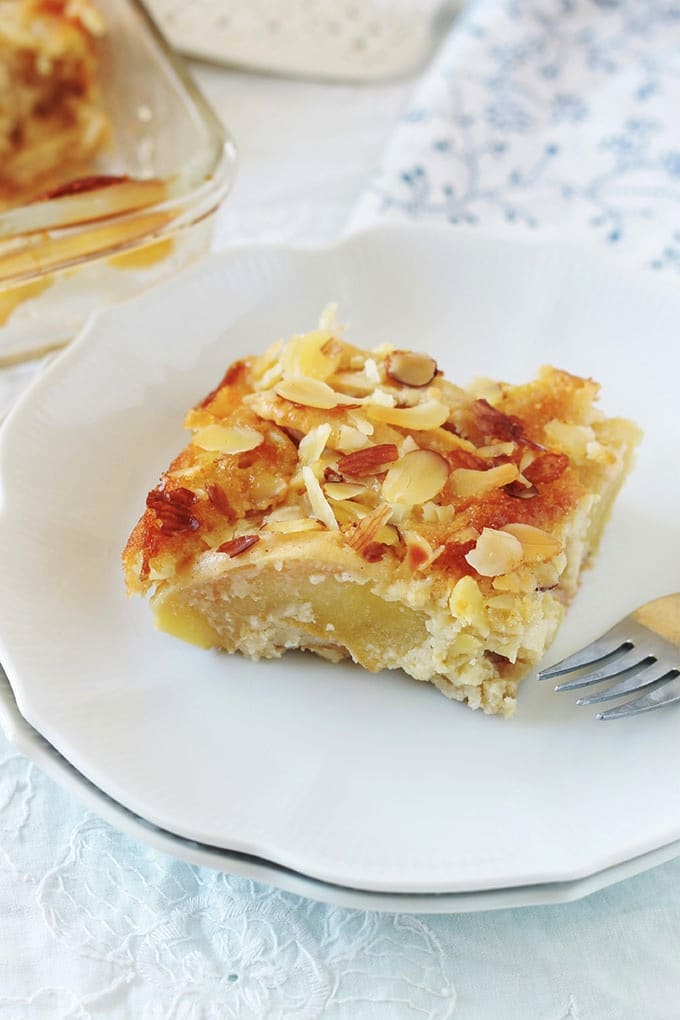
(51, 121)
(356, 503)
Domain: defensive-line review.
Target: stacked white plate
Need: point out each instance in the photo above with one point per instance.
(363, 789)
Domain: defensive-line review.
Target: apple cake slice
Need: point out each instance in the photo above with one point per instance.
(356, 503)
(51, 120)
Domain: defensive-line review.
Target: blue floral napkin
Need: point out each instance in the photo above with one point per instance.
(552, 116)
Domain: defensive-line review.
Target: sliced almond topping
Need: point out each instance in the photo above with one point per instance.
(223, 439)
(466, 603)
(387, 535)
(538, 545)
(493, 424)
(349, 439)
(422, 417)
(312, 393)
(291, 527)
(433, 513)
(416, 478)
(486, 389)
(410, 369)
(572, 439)
(321, 508)
(496, 552)
(419, 553)
(367, 529)
(369, 461)
(347, 511)
(360, 423)
(467, 483)
(308, 355)
(343, 490)
(409, 445)
(496, 450)
(313, 444)
(357, 384)
(236, 546)
(521, 489)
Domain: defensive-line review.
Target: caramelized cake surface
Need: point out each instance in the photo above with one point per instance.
(355, 502)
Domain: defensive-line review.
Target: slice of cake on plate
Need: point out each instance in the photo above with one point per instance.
(356, 503)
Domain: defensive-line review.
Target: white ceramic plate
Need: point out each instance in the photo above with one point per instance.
(372, 782)
(29, 742)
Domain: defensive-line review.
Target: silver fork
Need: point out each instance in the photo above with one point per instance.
(641, 652)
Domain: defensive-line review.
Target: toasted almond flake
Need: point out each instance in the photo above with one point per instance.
(571, 439)
(304, 356)
(369, 461)
(354, 383)
(313, 444)
(496, 450)
(521, 489)
(343, 490)
(538, 546)
(464, 535)
(528, 457)
(419, 553)
(236, 546)
(409, 445)
(387, 535)
(349, 439)
(467, 482)
(416, 478)
(410, 368)
(223, 439)
(360, 423)
(422, 417)
(496, 552)
(435, 514)
(321, 508)
(312, 393)
(296, 525)
(347, 511)
(486, 389)
(367, 529)
(466, 604)
(371, 370)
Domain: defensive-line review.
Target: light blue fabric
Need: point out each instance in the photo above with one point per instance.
(96, 925)
(557, 117)
(550, 116)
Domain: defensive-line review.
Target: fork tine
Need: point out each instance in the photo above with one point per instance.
(634, 680)
(613, 641)
(665, 694)
(632, 659)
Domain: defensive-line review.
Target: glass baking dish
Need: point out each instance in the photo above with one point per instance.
(144, 211)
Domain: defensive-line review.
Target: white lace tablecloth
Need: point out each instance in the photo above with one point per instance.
(555, 116)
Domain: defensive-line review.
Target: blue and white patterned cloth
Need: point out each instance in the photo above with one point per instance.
(550, 116)
(558, 117)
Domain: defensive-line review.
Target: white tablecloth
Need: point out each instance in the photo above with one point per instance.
(537, 115)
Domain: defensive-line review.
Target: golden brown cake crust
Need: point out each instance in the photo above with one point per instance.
(322, 464)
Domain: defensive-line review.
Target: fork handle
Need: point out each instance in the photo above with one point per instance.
(662, 616)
